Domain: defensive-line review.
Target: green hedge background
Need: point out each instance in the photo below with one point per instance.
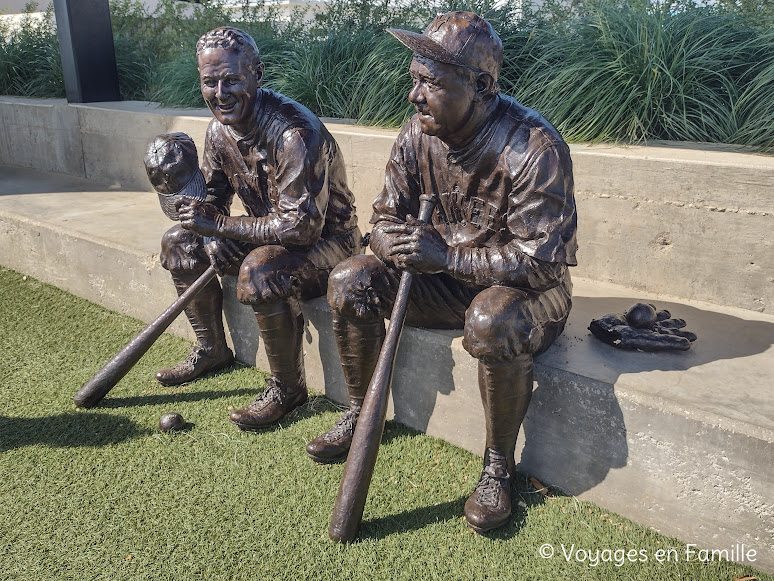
(600, 70)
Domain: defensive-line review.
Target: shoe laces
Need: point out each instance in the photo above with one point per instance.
(192, 358)
(274, 393)
(345, 426)
(494, 479)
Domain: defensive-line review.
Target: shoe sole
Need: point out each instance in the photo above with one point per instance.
(483, 531)
(333, 460)
(253, 428)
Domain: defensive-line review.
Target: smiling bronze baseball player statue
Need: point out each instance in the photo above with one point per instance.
(495, 259)
(289, 174)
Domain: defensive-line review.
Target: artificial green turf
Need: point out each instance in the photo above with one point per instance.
(101, 494)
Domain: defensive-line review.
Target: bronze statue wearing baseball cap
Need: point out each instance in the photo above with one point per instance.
(493, 262)
(289, 174)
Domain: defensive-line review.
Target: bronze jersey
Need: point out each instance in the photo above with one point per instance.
(288, 169)
(506, 195)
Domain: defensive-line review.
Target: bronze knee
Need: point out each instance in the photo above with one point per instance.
(499, 326)
(358, 287)
(272, 273)
(182, 252)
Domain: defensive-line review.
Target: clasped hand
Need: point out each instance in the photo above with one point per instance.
(205, 219)
(416, 246)
(200, 217)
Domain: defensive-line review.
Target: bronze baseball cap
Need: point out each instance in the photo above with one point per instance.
(457, 38)
(172, 166)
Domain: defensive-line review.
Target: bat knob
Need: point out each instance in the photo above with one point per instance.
(426, 206)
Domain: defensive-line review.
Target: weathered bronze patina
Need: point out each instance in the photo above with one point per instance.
(173, 168)
(287, 170)
(171, 422)
(643, 328)
(494, 260)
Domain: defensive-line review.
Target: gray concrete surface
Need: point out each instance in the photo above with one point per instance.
(693, 223)
(681, 442)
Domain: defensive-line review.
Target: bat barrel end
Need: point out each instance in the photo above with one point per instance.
(92, 392)
(84, 400)
(343, 533)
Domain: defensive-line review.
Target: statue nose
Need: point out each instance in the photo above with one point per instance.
(416, 95)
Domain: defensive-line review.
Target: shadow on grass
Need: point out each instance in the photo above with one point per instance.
(68, 430)
(522, 492)
(412, 520)
(176, 397)
(396, 431)
(523, 496)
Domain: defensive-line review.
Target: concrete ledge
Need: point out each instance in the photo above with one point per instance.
(693, 222)
(682, 442)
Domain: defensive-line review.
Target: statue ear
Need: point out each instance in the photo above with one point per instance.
(259, 72)
(485, 85)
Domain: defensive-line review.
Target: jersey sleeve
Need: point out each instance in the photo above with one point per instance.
(399, 197)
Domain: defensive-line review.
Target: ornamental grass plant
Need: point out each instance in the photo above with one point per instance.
(600, 70)
(649, 73)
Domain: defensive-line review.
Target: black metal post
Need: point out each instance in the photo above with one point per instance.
(88, 54)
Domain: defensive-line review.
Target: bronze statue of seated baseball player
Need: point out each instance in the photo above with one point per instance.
(495, 259)
(289, 174)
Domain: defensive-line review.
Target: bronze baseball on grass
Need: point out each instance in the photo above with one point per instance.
(493, 260)
(171, 422)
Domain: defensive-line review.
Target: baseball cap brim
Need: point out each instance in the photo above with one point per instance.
(424, 46)
(196, 188)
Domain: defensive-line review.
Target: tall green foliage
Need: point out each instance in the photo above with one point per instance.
(346, 75)
(600, 70)
(29, 56)
(641, 73)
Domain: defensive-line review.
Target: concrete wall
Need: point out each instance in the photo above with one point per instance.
(690, 223)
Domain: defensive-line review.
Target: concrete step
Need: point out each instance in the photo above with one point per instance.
(682, 442)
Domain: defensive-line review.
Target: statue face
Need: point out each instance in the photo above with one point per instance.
(444, 98)
(228, 87)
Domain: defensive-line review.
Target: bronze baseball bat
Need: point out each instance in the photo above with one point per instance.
(106, 378)
(359, 467)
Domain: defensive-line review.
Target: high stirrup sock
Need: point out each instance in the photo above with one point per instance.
(359, 344)
(204, 312)
(506, 390)
(281, 324)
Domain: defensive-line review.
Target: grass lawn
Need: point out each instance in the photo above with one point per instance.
(101, 494)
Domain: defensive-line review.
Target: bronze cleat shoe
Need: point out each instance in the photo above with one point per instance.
(197, 363)
(333, 445)
(268, 408)
(489, 507)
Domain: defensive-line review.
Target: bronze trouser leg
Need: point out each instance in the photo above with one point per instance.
(182, 254)
(506, 390)
(359, 343)
(504, 327)
(204, 312)
(281, 324)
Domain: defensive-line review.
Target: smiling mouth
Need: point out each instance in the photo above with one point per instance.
(227, 108)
